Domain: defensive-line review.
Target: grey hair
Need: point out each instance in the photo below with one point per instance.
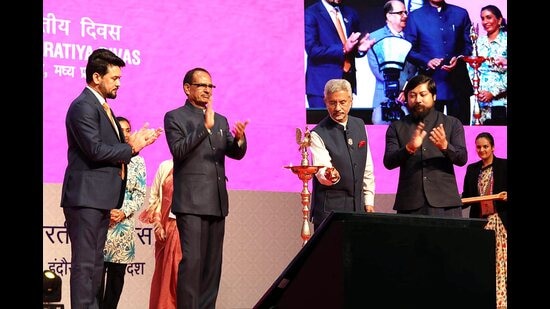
(335, 85)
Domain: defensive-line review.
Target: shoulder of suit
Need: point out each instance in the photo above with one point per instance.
(499, 160)
(380, 33)
(355, 119)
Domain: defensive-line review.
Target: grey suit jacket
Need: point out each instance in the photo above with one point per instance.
(95, 156)
(199, 160)
(408, 71)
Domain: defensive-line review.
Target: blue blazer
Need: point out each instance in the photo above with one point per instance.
(444, 34)
(199, 160)
(325, 56)
(95, 156)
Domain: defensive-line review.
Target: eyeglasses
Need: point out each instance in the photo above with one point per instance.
(399, 13)
(205, 85)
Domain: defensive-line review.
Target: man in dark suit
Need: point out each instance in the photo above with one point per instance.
(330, 56)
(95, 176)
(427, 183)
(199, 140)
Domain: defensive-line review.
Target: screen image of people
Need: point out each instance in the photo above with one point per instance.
(440, 54)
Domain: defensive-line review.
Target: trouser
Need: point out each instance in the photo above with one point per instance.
(111, 287)
(199, 271)
(87, 229)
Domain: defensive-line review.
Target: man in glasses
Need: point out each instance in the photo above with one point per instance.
(396, 15)
(199, 140)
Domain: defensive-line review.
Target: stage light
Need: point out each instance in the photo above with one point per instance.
(51, 287)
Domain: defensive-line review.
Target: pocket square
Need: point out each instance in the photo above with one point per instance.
(361, 144)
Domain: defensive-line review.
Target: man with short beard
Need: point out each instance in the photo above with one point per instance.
(427, 183)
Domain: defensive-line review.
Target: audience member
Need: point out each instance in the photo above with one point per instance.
(120, 246)
(95, 178)
(427, 183)
(440, 34)
(340, 144)
(332, 41)
(199, 140)
(493, 76)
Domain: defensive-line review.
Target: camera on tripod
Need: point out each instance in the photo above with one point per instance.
(391, 108)
(391, 53)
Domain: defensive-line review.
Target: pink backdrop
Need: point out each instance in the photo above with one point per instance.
(254, 51)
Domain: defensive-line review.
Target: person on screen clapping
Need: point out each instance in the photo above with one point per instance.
(328, 55)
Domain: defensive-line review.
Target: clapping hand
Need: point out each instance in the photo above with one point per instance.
(144, 137)
(365, 44)
(238, 130)
(351, 41)
(439, 138)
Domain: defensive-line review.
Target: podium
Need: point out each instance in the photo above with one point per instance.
(380, 260)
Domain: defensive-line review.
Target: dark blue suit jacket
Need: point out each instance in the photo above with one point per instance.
(95, 156)
(325, 56)
(199, 160)
(444, 34)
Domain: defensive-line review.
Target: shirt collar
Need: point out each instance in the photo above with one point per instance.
(99, 97)
(329, 7)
